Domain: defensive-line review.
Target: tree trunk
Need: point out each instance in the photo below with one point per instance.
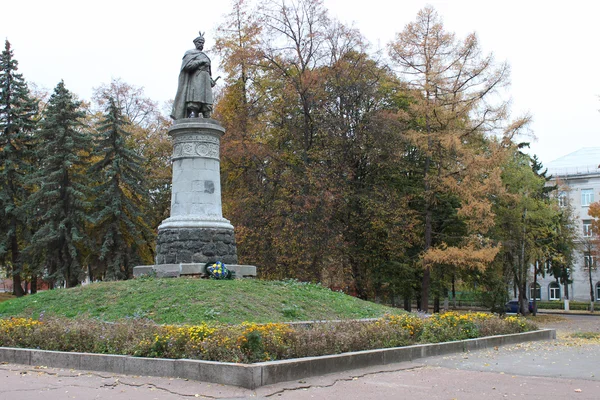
(407, 303)
(427, 272)
(453, 291)
(17, 284)
(523, 264)
(523, 306)
(535, 273)
(424, 303)
(591, 287)
(428, 221)
(33, 285)
(359, 279)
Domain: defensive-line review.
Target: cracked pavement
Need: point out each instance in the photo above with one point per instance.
(562, 369)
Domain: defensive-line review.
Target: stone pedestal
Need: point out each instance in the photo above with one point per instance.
(196, 231)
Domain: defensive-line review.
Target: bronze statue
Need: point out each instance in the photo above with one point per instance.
(194, 92)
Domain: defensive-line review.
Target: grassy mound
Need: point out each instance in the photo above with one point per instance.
(192, 301)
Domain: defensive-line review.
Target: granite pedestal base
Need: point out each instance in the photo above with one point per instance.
(195, 245)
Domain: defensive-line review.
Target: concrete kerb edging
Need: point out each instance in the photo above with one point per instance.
(251, 376)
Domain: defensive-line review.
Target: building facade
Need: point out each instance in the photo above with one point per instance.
(577, 176)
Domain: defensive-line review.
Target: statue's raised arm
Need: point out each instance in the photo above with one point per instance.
(194, 93)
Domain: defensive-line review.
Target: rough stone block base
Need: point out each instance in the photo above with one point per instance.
(195, 245)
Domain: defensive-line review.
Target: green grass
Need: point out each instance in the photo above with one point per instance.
(191, 301)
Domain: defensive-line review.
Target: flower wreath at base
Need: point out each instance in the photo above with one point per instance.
(217, 270)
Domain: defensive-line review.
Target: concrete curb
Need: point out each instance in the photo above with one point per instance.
(251, 376)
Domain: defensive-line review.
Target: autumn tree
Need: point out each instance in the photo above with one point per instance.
(237, 43)
(247, 158)
(118, 219)
(301, 93)
(59, 208)
(454, 84)
(292, 47)
(265, 154)
(18, 110)
(301, 108)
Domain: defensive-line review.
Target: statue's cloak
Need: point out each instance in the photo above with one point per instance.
(194, 83)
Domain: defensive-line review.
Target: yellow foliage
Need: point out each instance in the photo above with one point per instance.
(12, 323)
(468, 256)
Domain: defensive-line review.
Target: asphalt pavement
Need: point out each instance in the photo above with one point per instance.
(566, 368)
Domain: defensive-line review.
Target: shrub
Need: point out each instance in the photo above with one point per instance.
(453, 326)
(172, 341)
(73, 335)
(560, 305)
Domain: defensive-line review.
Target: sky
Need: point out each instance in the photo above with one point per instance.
(552, 48)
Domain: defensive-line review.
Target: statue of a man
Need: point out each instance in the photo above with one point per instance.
(194, 92)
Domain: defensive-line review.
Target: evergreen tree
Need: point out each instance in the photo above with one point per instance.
(118, 217)
(61, 202)
(539, 170)
(17, 124)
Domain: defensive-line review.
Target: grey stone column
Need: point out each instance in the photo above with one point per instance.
(196, 231)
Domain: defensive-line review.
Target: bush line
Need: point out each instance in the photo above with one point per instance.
(250, 342)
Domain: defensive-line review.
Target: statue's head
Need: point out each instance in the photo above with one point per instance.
(199, 41)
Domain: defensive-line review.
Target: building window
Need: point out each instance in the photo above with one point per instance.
(589, 261)
(554, 291)
(563, 199)
(587, 197)
(598, 291)
(535, 292)
(587, 227)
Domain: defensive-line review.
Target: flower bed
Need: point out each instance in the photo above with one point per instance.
(250, 342)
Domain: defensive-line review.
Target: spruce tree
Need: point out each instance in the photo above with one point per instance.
(17, 125)
(61, 201)
(118, 217)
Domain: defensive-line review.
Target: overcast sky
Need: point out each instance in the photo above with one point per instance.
(552, 49)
